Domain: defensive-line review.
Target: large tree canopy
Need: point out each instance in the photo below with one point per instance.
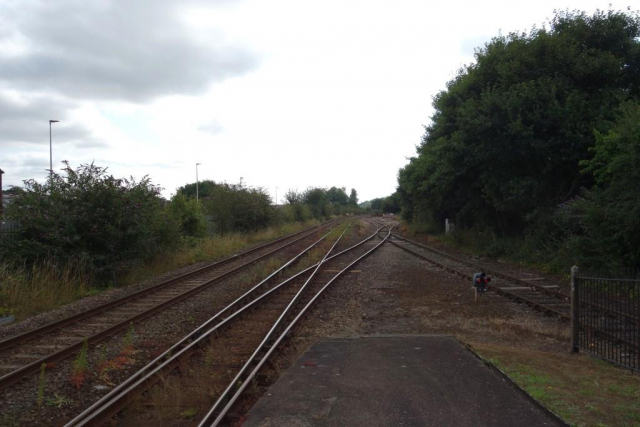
(509, 132)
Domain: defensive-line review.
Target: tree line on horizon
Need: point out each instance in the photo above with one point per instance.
(87, 216)
(538, 142)
(238, 207)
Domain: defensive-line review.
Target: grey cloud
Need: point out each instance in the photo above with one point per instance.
(212, 127)
(91, 143)
(118, 50)
(26, 120)
(17, 165)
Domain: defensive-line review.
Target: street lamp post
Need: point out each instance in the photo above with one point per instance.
(276, 196)
(51, 151)
(197, 182)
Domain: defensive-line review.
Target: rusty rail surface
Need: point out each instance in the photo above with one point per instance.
(528, 293)
(65, 351)
(110, 404)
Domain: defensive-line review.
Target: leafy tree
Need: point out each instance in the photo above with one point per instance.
(610, 213)
(204, 188)
(337, 196)
(88, 214)
(353, 198)
(509, 132)
(376, 204)
(189, 214)
(233, 207)
(317, 200)
(292, 196)
(391, 204)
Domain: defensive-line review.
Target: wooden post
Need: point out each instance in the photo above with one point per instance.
(575, 312)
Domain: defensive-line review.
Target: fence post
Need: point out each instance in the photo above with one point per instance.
(575, 312)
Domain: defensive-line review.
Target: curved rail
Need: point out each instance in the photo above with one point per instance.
(218, 412)
(66, 350)
(551, 302)
(102, 410)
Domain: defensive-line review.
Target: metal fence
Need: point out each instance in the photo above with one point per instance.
(9, 229)
(605, 318)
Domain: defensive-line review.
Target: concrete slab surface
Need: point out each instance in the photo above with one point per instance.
(393, 381)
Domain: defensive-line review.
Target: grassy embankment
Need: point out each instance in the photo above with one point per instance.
(582, 390)
(27, 291)
(547, 257)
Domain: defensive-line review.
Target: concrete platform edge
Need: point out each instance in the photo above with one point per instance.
(520, 390)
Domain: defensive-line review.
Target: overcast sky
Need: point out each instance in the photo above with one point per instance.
(282, 93)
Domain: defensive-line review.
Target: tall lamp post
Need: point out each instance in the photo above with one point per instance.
(197, 182)
(276, 196)
(51, 151)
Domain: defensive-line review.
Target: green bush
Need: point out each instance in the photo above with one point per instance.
(233, 207)
(538, 142)
(189, 213)
(510, 130)
(609, 214)
(86, 214)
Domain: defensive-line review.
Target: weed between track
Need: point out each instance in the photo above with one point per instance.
(190, 390)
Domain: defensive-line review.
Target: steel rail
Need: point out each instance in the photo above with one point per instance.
(514, 296)
(213, 417)
(500, 291)
(34, 367)
(18, 339)
(109, 405)
(521, 282)
(225, 394)
(558, 295)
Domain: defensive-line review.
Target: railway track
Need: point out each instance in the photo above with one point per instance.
(543, 298)
(613, 325)
(22, 355)
(224, 356)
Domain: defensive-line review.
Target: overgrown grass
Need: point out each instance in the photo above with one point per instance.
(208, 249)
(584, 391)
(548, 257)
(25, 291)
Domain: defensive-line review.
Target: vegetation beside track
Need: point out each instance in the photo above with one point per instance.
(30, 290)
(84, 230)
(582, 390)
(534, 146)
(485, 244)
(238, 207)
